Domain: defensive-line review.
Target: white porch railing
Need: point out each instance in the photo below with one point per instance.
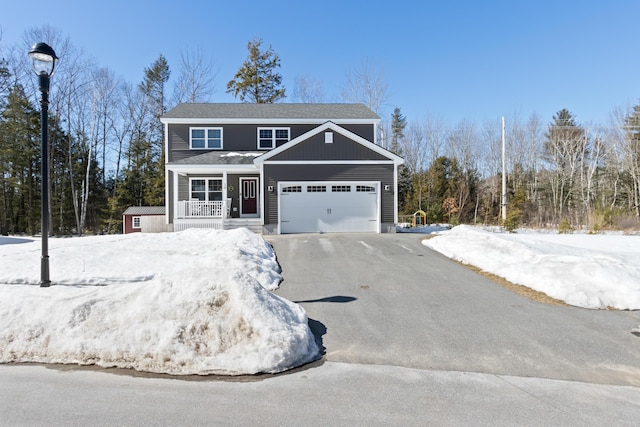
(200, 209)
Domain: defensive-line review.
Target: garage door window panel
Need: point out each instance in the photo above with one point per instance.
(292, 189)
(341, 188)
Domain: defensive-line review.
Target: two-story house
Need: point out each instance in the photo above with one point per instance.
(278, 168)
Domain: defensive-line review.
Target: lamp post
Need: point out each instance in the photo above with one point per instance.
(44, 63)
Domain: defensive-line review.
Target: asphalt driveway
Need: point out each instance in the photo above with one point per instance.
(386, 299)
(411, 339)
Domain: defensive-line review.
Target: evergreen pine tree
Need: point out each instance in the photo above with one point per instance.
(20, 162)
(257, 80)
(147, 153)
(398, 123)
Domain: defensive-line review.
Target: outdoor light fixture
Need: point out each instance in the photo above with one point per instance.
(44, 63)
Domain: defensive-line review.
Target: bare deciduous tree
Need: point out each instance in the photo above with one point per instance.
(366, 85)
(196, 77)
(307, 90)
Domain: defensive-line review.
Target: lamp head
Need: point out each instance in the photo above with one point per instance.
(44, 59)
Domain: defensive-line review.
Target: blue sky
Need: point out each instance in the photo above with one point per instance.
(463, 60)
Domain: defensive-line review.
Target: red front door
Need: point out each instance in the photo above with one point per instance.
(249, 196)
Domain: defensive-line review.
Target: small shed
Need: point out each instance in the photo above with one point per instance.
(419, 218)
(145, 219)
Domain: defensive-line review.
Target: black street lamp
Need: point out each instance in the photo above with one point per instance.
(44, 63)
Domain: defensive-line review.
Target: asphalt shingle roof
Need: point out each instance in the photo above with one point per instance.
(271, 111)
(221, 158)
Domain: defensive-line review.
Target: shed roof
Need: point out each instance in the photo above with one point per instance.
(145, 210)
(271, 111)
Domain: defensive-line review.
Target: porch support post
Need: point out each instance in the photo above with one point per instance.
(263, 191)
(224, 197)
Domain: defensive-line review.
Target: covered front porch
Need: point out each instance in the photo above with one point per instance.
(214, 196)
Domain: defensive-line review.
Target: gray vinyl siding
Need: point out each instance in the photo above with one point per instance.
(364, 131)
(242, 137)
(382, 173)
(315, 148)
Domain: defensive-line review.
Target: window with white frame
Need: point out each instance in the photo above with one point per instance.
(206, 189)
(136, 222)
(269, 138)
(205, 138)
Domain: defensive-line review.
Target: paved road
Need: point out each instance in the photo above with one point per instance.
(411, 339)
(386, 299)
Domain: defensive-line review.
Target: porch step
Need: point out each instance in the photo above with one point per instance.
(253, 224)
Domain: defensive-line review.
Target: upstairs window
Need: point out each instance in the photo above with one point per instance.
(269, 138)
(206, 139)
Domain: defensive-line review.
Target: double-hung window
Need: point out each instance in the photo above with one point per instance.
(269, 138)
(205, 138)
(206, 189)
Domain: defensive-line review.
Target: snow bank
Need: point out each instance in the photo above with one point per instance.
(193, 302)
(591, 271)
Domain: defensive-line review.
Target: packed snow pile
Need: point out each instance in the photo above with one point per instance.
(192, 302)
(591, 271)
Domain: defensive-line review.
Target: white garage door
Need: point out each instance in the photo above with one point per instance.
(328, 207)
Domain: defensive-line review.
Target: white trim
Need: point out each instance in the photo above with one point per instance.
(240, 196)
(133, 222)
(264, 196)
(395, 196)
(166, 174)
(225, 197)
(329, 162)
(326, 126)
(166, 194)
(176, 182)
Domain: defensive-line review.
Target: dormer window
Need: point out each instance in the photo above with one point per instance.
(205, 139)
(269, 138)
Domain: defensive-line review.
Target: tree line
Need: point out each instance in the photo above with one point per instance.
(106, 146)
(560, 173)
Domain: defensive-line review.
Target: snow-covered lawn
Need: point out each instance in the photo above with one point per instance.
(193, 302)
(592, 271)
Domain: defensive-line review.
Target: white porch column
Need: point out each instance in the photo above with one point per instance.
(224, 195)
(262, 190)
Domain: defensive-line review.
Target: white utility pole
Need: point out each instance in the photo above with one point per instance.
(504, 178)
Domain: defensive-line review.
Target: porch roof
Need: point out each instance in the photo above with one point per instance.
(220, 158)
